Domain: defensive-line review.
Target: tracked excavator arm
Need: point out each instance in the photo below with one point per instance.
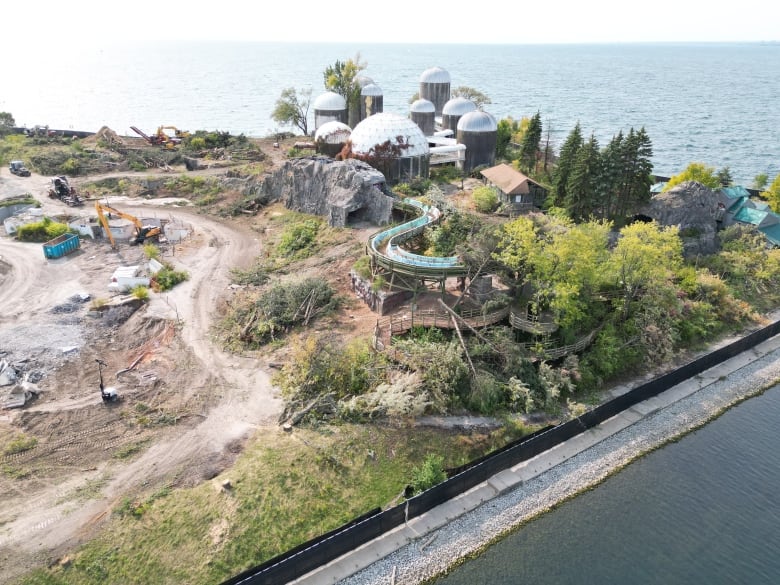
(142, 232)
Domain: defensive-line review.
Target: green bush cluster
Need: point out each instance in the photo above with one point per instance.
(41, 231)
(168, 277)
(297, 239)
(485, 199)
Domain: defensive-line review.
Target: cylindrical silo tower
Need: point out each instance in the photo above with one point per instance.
(331, 137)
(453, 110)
(423, 113)
(376, 141)
(435, 87)
(478, 132)
(329, 107)
(371, 100)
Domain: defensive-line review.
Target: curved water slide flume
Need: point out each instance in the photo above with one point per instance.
(387, 244)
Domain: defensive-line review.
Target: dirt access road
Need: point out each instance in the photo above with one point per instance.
(55, 494)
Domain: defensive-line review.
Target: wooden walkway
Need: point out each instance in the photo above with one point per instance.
(388, 327)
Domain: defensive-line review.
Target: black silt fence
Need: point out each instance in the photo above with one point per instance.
(324, 549)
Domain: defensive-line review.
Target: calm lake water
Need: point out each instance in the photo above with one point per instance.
(713, 103)
(705, 509)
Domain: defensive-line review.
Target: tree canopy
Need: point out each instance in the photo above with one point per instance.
(477, 97)
(7, 122)
(529, 147)
(292, 108)
(772, 194)
(695, 171)
(342, 78)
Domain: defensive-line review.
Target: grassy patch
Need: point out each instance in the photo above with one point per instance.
(127, 451)
(19, 444)
(13, 472)
(287, 489)
(25, 199)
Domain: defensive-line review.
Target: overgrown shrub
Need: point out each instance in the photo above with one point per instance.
(151, 251)
(444, 373)
(297, 239)
(429, 474)
(168, 277)
(256, 275)
(362, 267)
(320, 367)
(41, 231)
(485, 199)
(140, 292)
(445, 173)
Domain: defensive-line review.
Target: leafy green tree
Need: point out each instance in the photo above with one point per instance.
(562, 261)
(698, 172)
(506, 127)
(292, 108)
(517, 246)
(7, 123)
(342, 78)
(568, 269)
(760, 182)
(458, 228)
(566, 161)
(529, 148)
(772, 195)
(724, 176)
(645, 257)
(478, 98)
(582, 185)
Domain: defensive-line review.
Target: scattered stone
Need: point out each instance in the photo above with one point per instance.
(227, 485)
(70, 349)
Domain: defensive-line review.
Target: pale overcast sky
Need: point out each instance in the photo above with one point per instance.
(55, 23)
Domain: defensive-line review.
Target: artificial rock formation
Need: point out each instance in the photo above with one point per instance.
(693, 208)
(344, 192)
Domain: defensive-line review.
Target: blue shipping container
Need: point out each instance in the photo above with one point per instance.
(61, 245)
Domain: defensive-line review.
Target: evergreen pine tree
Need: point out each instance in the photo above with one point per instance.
(582, 186)
(636, 172)
(566, 160)
(530, 145)
(610, 178)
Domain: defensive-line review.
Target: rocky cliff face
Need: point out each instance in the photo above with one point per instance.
(344, 192)
(692, 207)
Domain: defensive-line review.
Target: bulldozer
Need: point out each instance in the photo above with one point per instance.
(142, 232)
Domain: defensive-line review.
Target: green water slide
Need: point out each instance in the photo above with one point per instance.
(387, 249)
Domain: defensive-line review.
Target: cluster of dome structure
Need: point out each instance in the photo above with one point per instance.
(439, 129)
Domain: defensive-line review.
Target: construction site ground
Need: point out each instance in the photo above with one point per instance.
(186, 405)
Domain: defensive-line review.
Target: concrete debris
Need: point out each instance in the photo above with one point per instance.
(20, 395)
(8, 374)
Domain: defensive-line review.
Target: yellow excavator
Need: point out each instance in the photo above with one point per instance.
(142, 232)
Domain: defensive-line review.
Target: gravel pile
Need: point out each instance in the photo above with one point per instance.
(434, 553)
